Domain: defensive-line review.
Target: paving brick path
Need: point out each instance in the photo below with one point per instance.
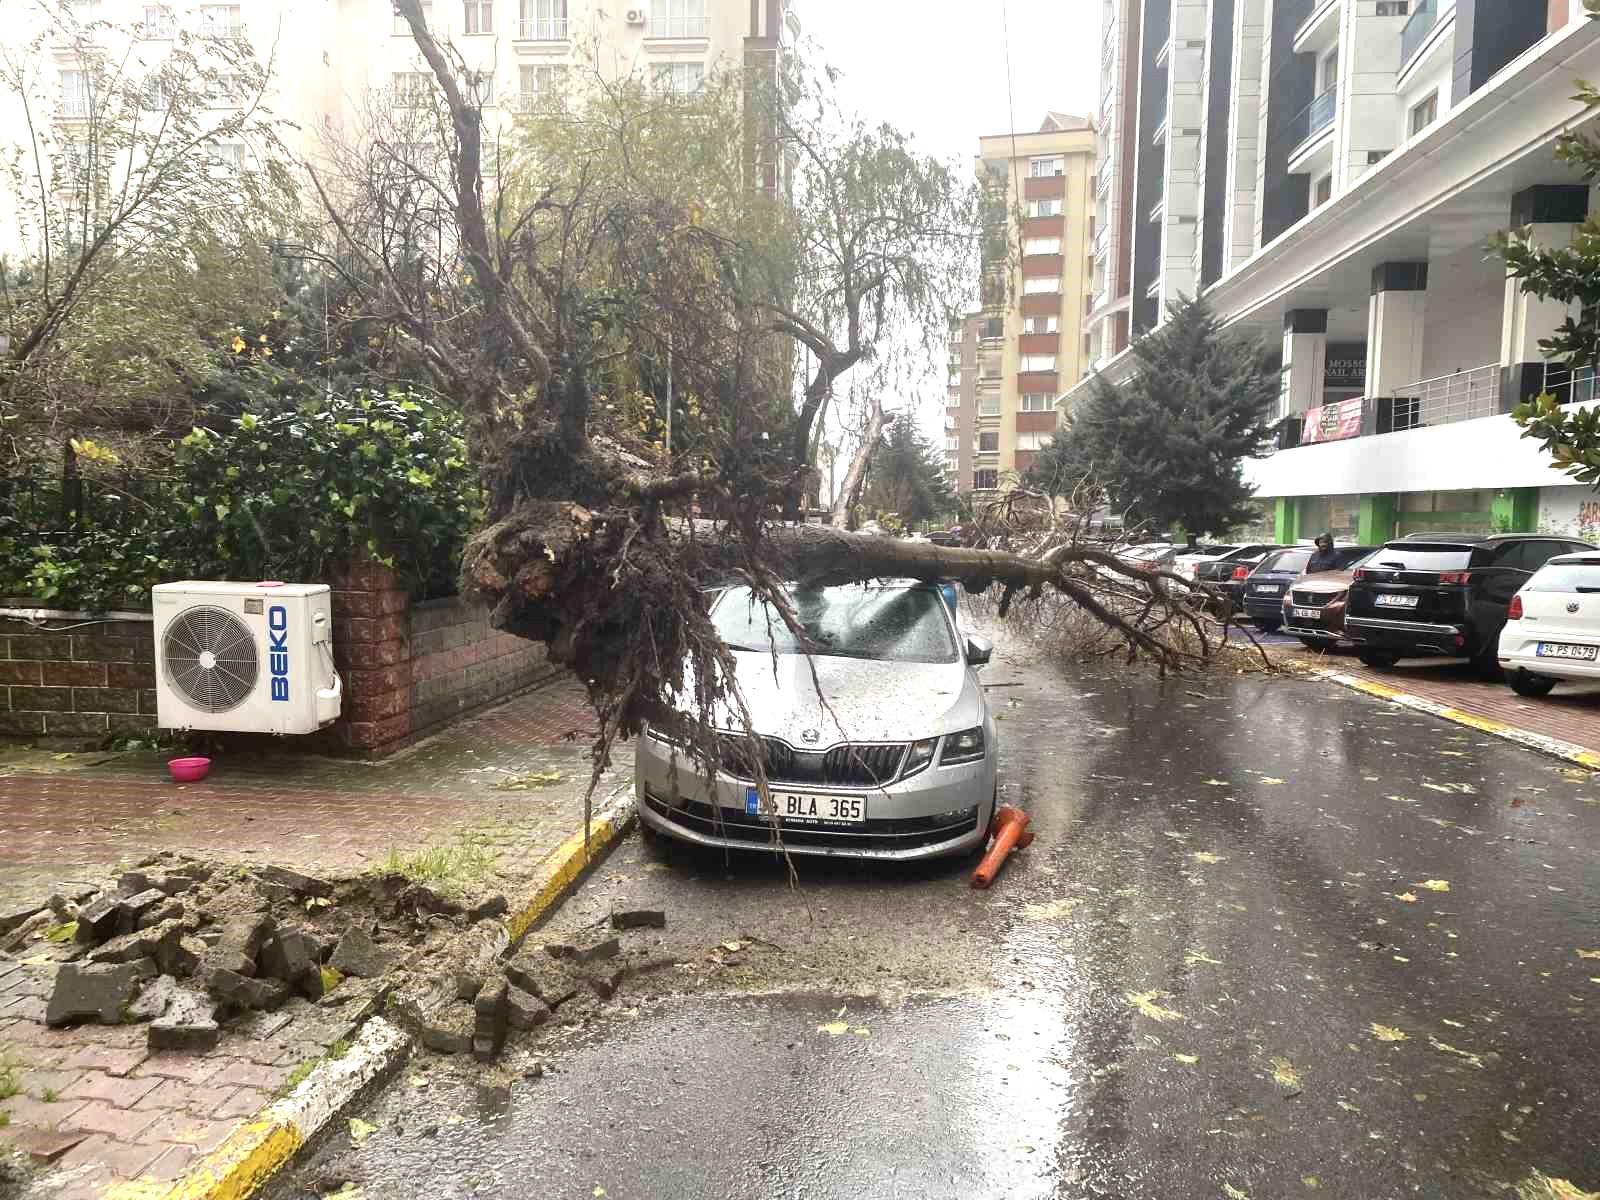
(92, 1104)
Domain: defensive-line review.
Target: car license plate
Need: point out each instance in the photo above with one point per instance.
(809, 806)
(1310, 614)
(1395, 601)
(1563, 650)
(1266, 589)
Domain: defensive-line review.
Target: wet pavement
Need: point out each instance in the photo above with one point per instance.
(1274, 939)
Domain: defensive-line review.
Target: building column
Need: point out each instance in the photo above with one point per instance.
(1515, 510)
(1547, 217)
(1375, 524)
(1395, 317)
(1285, 520)
(1305, 360)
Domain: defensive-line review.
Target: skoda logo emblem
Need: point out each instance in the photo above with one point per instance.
(810, 736)
(1573, 607)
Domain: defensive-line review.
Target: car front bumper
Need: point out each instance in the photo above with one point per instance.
(1264, 607)
(1326, 626)
(1409, 639)
(1520, 652)
(939, 810)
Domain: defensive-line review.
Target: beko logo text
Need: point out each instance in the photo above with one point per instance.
(278, 650)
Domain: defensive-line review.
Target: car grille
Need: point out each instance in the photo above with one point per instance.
(1309, 599)
(859, 764)
(896, 833)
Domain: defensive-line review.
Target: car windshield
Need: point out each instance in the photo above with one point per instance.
(893, 624)
(1247, 553)
(1286, 560)
(1350, 556)
(1566, 577)
(1422, 558)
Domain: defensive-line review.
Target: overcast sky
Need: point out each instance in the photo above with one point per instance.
(938, 70)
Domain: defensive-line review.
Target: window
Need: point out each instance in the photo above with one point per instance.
(543, 20)
(157, 94)
(412, 88)
(541, 83)
(986, 480)
(988, 406)
(678, 19)
(989, 443)
(1042, 168)
(228, 157)
(1038, 362)
(680, 78)
(1035, 284)
(1037, 402)
(75, 102)
(1328, 72)
(1424, 114)
(951, 443)
(1042, 245)
(1393, 8)
(225, 91)
(221, 20)
(1033, 441)
(84, 11)
(1322, 192)
(1040, 324)
(1045, 208)
(402, 29)
(477, 16)
(477, 87)
(157, 21)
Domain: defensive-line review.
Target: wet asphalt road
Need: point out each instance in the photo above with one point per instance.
(1275, 939)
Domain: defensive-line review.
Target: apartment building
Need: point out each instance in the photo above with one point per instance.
(1010, 360)
(1328, 174)
(332, 59)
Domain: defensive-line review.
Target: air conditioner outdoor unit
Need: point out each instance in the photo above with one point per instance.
(249, 657)
(637, 16)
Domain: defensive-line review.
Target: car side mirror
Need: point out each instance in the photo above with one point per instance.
(979, 651)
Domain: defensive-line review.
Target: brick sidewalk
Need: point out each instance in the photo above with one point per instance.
(92, 1102)
(1570, 713)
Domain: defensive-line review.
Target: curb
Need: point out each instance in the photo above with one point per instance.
(1555, 747)
(255, 1151)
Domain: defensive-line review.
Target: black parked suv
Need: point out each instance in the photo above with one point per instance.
(1443, 594)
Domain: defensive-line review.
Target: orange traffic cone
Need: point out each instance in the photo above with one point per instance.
(1010, 831)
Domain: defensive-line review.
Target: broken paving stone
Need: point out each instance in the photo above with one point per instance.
(181, 957)
(489, 1019)
(424, 899)
(97, 991)
(583, 952)
(97, 920)
(450, 1030)
(64, 910)
(242, 991)
(12, 917)
(287, 955)
(357, 954)
(605, 980)
(494, 906)
(523, 1009)
(468, 983)
(639, 918)
(154, 1000)
(542, 977)
(172, 885)
(131, 883)
(238, 942)
(188, 1025)
(296, 881)
(167, 910)
(132, 908)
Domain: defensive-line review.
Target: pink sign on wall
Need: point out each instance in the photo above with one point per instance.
(1331, 422)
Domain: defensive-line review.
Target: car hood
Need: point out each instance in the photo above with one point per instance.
(870, 700)
(1325, 581)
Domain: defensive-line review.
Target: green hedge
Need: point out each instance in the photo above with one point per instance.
(274, 494)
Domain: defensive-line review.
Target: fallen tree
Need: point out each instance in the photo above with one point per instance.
(547, 302)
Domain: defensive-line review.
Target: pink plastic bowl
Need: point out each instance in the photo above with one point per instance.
(187, 770)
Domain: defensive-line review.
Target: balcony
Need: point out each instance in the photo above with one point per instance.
(677, 27)
(1463, 396)
(1312, 119)
(1417, 29)
(542, 29)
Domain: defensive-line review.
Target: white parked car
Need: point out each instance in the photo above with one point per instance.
(1188, 563)
(1552, 629)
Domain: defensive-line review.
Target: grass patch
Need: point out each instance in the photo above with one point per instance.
(449, 869)
(49, 1095)
(302, 1071)
(338, 1050)
(61, 933)
(10, 1081)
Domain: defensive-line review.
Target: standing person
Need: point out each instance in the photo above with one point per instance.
(1323, 557)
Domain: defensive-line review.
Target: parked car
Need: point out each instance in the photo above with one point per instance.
(1228, 573)
(1314, 606)
(1552, 629)
(1264, 588)
(899, 762)
(1188, 562)
(1443, 594)
(1149, 555)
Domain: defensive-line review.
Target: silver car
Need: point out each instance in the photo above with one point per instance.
(896, 760)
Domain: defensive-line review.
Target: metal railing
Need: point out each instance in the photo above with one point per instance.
(677, 27)
(542, 29)
(1417, 29)
(1313, 118)
(1463, 396)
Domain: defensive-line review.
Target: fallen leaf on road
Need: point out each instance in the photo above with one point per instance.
(732, 947)
(348, 1191)
(834, 1028)
(1540, 1186)
(1311, 1181)
(523, 783)
(1234, 1193)
(1452, 753)
(1284, 1074)
(1187, 1060)
(1401, 799)
(1575, 773)
(1272, 781)
(1435, 885)
(861, 1031)
(1388, 1033)
(1464, 789)
(1047, 912)
(1216, 783)
(1446, 1048)
(598, 1190)
(1348, 1107)
(1199, 956)
(1589, 953)
(361, 1130)
(1205, 856)
(454, 1119)
(1399, 958)
(1145, 1002)
(1408, 897)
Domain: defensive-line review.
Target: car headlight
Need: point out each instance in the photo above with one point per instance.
(919, 756)
(963, 747)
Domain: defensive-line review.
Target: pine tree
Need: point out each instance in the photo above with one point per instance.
(1168, 444)
(907, 476)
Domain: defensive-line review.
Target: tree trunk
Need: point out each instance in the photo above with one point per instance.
(856, 476)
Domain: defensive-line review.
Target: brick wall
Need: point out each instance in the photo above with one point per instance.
(407, 669)
(76, 682)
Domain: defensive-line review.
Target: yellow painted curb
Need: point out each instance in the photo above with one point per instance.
(569, 860)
